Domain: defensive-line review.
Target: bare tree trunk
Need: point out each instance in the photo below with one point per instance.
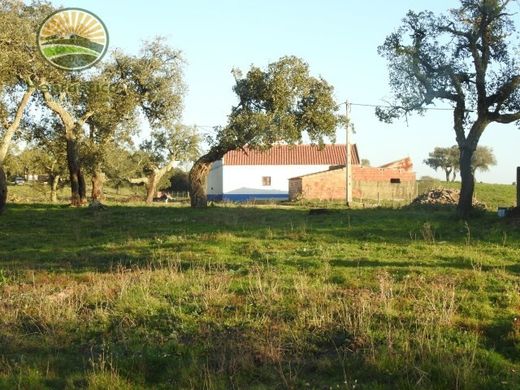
(467, 183)
(98, 180)
(5, 142)
(154, 179)
(15, 124)
(82, 187)
(54, 181)
(3, 190)
(151, 187)
(77, 180)
(75, 173)
(448, 172)
(454, 176)
(199, 181)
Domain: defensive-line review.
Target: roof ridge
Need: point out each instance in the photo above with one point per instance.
(300, 154)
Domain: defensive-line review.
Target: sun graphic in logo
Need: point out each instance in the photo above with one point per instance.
(73, 39)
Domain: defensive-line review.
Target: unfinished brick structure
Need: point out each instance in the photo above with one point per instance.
(394, 181)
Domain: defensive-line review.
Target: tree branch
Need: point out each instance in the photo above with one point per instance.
(65, 116)
(504, 92)
(504, 118)
(11, 128)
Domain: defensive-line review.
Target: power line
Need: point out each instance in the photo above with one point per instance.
(359, 105)
(389, 106)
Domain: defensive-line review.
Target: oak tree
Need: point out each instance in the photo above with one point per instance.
(447, 159)
(166, 148)
(21, 69)
(277, 104)
(466, 58)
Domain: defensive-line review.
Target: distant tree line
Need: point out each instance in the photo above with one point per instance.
(465, 58)
(447, 159)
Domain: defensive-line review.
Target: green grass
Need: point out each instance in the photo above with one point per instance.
(257, 297)
(493, 195)
(60, 50)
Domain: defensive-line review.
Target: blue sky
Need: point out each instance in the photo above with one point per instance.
(338, 38)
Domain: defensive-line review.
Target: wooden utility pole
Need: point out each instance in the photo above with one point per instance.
(517, 186)
(348, 163)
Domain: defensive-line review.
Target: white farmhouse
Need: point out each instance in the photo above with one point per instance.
(251, 174)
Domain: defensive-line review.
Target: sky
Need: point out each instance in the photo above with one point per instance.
(337, 38)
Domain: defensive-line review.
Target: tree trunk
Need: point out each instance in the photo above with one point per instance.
(467, 183)
(72, 128)
(13, 127)
(448, 173)
(518, 187)
(77, 181)
(54, 181)
(3, 189)
(198, 182)
(454, 176)
(82, 187)
(154, 179)
(151, 186)
(5, 142)
(98, 179)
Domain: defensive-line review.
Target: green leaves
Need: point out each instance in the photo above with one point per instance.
(280, 104)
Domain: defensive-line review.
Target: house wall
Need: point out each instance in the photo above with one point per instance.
(367, 182)
(375, 184)
(214, 188)
(327, 185)
(242, 182)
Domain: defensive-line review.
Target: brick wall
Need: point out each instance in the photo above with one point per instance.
(368, 183)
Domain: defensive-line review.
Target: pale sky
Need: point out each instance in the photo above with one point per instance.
(338, 38)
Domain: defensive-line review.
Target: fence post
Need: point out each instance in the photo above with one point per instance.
(517, 186)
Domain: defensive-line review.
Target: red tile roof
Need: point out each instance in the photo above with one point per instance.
(292, 155)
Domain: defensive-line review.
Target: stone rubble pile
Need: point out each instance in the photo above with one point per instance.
(442, 196)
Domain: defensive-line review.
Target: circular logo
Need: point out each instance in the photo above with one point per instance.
(73, 39)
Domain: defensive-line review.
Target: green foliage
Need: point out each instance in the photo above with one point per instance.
(36, 160)
(21, 64)
(447, 159)
(467, 59)
(179, 181)
(464, 58)
(154, 78)
(279, 104)
(483, 158)
(175, 143)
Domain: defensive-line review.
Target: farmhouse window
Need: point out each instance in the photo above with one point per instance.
(395, 181)
(266, 180)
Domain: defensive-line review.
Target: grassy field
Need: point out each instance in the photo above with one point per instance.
(258, 297)
(493, 195)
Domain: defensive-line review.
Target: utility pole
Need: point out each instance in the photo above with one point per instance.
(348, 163)
(518, 187)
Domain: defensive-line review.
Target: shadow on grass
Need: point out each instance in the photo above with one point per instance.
(60, 238)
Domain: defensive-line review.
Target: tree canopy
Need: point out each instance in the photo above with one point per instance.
(447, 159)
(278, 104)
(467, 58)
